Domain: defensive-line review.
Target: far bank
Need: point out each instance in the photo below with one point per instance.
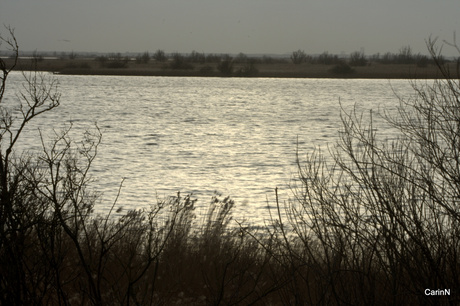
(372, 70)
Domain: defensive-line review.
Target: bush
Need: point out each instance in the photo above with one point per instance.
(102, 59)
(196, 57)
(206, 70)
(422, 61)
(380, 223)
(358, 59)
(72, 55)
(298, 57)
(213, 58)
(53, 248)
(225, 67)
(117, 61)
(328, 59)
(74, 65)
(248, 70)
(160, 56)
(143, 59)
(179, 63)
(342, 68)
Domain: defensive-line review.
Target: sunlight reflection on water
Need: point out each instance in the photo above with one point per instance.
(235, 136)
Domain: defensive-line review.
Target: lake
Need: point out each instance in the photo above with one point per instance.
(236, 136)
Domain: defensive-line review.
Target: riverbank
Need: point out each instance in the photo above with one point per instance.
(286, 69)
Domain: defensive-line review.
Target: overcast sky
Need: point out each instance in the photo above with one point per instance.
(230, 26)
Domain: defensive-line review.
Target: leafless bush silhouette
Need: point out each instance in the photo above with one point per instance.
(160, 56)
(179, 62)
(380, 223)
(358, 58)
(225, 66)
(299, 57)
(53, 248)
(144, 58)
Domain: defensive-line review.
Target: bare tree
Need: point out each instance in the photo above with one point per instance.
(159, 56)
(358, 58)
(298, 57)
(225, 66)
(19, 212)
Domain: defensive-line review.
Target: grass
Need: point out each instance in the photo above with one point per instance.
(136, 259)
(215, 265)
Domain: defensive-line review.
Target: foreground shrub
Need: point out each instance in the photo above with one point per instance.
(380, 223)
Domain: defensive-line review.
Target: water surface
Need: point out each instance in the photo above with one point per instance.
(236, 136)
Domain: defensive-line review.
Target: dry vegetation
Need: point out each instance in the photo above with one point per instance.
(389, 66)
(279, 70)
(378, 226)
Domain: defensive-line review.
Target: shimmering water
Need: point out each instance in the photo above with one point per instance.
(238, 137)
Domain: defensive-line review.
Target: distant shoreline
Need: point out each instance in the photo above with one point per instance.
(263, 70)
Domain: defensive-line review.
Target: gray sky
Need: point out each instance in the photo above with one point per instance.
(230, 26)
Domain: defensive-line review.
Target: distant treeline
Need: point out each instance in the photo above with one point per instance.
(405, 55)
(358, 58)
(296, 64)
